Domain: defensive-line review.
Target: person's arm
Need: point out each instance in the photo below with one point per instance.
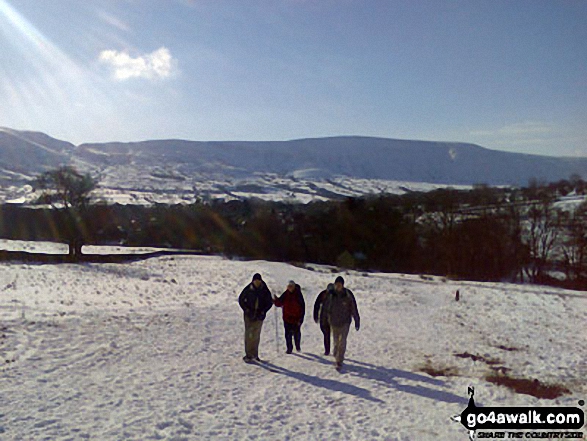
(269, 300)
(242, 299)
(278, 301)
(325, 311)
(355, 311)
(317, 305)
(303, 305)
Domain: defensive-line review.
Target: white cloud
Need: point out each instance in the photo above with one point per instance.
(521, 134)
(534, 137)
(156, 65)
(522, 129)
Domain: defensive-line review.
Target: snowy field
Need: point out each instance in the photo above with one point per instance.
(153, 350)
(135, 187)
(62, 248)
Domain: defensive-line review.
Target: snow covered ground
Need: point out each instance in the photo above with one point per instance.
(62, 248)
(138, 187)
(152, 350)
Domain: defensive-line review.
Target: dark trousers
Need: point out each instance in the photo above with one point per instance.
(292, 332)
(325, 328)
(252, 337)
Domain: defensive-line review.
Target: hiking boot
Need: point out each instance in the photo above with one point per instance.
(247, 359)
(289, 351)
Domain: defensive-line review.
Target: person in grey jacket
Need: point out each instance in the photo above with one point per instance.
(341, 309)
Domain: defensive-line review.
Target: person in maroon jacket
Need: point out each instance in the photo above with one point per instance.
(294, 310)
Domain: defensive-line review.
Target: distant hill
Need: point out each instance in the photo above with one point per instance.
(31, 152)
(359, 157)
(325, 167)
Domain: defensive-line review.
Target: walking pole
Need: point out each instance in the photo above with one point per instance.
(276, 331)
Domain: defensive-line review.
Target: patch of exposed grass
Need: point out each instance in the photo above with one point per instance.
(487, 360)
(507, 348)
(529, 387)
(298, 264)
(441, 371)
(500, 369)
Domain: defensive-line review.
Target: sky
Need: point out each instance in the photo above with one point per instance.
(505, 74)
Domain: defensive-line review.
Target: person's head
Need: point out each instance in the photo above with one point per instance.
(257, 280)
(291, 286)
(339, 283)
(330, 287)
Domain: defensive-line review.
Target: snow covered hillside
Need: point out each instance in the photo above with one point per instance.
(178, 171)
(152, 350)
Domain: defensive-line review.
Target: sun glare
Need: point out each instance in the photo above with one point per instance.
(39, 81)
(33, 38)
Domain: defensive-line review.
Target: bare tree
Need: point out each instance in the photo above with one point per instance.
(575, 244)
(543, 229)
(513, 215)
(68, 192)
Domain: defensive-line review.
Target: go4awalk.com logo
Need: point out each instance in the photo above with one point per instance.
(521, 422)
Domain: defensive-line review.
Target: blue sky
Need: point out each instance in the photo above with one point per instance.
(508, 75)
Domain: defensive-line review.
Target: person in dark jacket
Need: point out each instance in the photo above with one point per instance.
(255, 300)
(340, 309)
(294, 310)
(320, 316)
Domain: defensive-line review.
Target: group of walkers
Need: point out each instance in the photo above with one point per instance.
(335, 308)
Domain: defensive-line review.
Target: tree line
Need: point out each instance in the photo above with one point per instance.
(485, 233)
